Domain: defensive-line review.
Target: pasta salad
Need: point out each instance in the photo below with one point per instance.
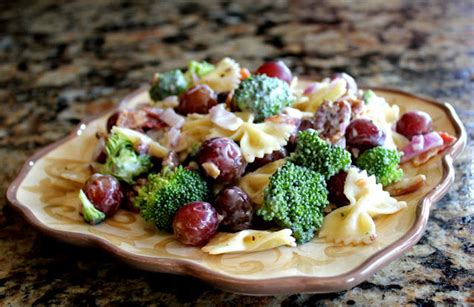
(234, 161)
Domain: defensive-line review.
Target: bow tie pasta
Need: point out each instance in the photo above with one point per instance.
(248, 241)
(325, 90)
(353, 224)
(194, 132)
(225, 77)
(257, 140)
(254, 183)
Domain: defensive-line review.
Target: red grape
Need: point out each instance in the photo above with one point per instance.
(104, 193)
(195, 223)
(363, 134)
(277, 70)
(235, 207)
(198, 99)
(336, 189)
(413, 123)
(221, 159)
(268, 158)
(112, 121)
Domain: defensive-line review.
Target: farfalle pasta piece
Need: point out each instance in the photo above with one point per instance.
(255, 182)
(195, 130)
(354, 224)
(331, 91)
(248, 241)
(257, 140)
(225, 77)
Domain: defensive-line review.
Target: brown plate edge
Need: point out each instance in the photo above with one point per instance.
(272, 286)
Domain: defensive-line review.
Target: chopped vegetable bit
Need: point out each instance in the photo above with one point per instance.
(165, 193)
(315, 153)
(122, 160)
(368, 96)
(168, 84)
(263, 96)
(90, 214)
(382, 163)
(295, 198)
(197, 69)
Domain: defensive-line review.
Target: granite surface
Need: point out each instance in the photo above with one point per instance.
(62, 62)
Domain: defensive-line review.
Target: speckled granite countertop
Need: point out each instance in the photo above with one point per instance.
(62, 62)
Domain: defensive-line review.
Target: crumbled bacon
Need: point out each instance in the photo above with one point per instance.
(422, 158)
(406, 185)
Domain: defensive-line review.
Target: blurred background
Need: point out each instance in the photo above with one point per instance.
(63, 61)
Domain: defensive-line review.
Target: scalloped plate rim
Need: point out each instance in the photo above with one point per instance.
(270, 286)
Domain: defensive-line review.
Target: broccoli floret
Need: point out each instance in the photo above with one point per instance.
(198, 69)
(295, 198)
(89, 213)
(382, 163)
(315, 153)
(122, 160)
(368, 96)
(168, 84)
(263, 96)
(165, 193)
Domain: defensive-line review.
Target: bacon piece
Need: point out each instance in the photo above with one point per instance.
(406, 185)
(448, 140)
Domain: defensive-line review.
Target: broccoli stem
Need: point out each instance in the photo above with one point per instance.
(90, 214)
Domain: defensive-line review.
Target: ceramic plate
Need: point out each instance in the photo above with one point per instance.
(46, 189)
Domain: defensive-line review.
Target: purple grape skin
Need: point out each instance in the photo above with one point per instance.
(195, 223)
(235, 207)
(225, 154)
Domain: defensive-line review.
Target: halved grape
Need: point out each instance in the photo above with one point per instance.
(198, 99)
(268, 158)
(195, 223)
(275, 69)
(336, 189)
(235, 207)
(221, 160)
(363, 134)
(104, 192)
(414, 123)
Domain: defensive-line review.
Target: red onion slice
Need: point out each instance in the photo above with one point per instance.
(224, 119)
(420, 144)
(172, 119)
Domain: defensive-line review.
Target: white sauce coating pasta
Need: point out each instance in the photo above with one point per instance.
(155, 149)
(325, 90)
(225, 77)
(254, 183)
(257, 140)
(353, 224)
(248, 241)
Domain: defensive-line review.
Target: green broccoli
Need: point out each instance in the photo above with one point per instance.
(295, 198)
(122, 160)
(168, 84)
(89, 213)
(165, 193)
(368, 96)
(263, 96)
(315, 153)
(199, 69)
(382, 163)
